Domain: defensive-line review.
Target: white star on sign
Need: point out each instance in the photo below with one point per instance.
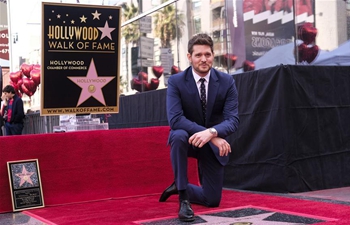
(96, 15)
(83, 19)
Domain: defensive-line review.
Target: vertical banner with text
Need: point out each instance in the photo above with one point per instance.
(80, 59)
(4, 36)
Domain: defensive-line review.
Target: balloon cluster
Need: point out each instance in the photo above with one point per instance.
(307, 51)
(141, 83)
(26, 80)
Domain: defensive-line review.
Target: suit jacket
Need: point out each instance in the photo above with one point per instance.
(17, 115)
(184, 109)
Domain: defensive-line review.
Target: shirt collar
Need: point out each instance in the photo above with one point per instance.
(197, 77)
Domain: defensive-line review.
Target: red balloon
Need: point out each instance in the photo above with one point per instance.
(154, 84)
(157, 71)
(26, 68)
(29, 84)
(175, 70)
(36, 67)
(26, 90)
(14, 85)
(35, 76)
(248, 66)
(307, 54)
(307, 33)
(230, 59)
(139, 85)
(143, 76)
(15, 76)
(19, 84)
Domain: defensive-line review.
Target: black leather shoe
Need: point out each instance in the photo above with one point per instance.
(169, 191)
(185, 212)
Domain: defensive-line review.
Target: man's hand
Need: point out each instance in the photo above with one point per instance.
(222, 144)
(4, 99)
(199, 139)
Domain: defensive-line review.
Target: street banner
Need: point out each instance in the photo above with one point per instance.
(4, 36)
(80, 59)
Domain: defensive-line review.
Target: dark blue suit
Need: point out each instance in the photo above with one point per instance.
(185, 118)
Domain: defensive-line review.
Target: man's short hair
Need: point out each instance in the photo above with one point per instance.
(200, 39)
(9, 89)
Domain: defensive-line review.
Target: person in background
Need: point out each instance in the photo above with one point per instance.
(202, 110)
(12, 111)
(1, 118)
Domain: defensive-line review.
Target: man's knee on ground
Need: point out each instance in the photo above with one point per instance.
(213, 201)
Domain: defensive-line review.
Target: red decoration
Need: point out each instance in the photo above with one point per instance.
(26, 68)
(157, 71)
(154, 83)
(307, 51)
(307, 33)
(307, 54)
(19, 84)
(15, 76)
(248, 66)
(174, 69)
(26, 80)
(141, 83)
(230, 59)
(143, 76)
(35, 75)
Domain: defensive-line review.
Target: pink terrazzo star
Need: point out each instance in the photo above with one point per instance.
(91, 85)
(25, 176)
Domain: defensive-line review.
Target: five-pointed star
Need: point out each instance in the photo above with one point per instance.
(25, 176)
(96, 15)
(254, 219)
(83, 19)
(58, 16)
(106, 31)
(91, 85)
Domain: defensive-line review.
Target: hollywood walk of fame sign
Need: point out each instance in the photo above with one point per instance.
(80, 59)
(25, 184)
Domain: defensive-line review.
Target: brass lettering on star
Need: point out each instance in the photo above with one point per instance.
(87, 81)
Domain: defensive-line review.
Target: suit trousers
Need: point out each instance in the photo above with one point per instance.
(212, 172)
(13, 128)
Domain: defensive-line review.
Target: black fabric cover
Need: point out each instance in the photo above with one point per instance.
(294, 131)
(294, 128)
(139, 110)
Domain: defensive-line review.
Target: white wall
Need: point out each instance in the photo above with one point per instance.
(330, 17)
